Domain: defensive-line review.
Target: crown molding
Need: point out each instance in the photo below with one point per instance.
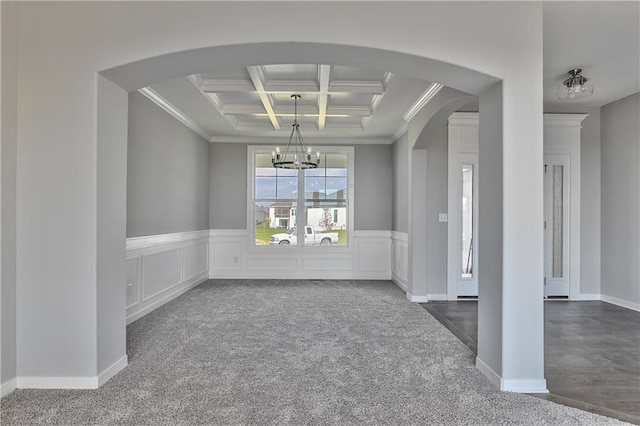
(373, 87)
(401, 131)
(208, 85)
(175, 112)
(256, 140)
(464, 119)
(564, 119)
(431, 91)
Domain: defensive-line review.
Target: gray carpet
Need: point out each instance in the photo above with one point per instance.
(291, 352)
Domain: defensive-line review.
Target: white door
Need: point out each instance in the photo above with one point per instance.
(467, 228)
(556, 225)
(463, 226)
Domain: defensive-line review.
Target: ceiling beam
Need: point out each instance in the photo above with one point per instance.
(324, 77)
(257, 78)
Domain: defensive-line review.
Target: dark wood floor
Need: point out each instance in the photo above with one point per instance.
(592, 352)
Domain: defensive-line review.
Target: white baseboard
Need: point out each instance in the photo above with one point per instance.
(9, 386)
(417, 299)
(494, 378)
(588, 296)
(400, 282)
(35, 382)
(519, 386)
(177, 291)
(620, 302)
(525, 386)
(111, 371)
(437, 297)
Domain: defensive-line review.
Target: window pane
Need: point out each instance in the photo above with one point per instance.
(263, 161)
(337, 188)
(335, 162)
(265, 187)
(467, 221)
(287, 187)
(314, 187)
(329, 221)
(557, 221)
(271, 218)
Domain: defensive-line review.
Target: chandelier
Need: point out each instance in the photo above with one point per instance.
(575, 87)
(296, 155)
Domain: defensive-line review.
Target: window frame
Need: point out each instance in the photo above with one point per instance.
(299, 204)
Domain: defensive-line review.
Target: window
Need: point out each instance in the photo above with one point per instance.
(317, 199)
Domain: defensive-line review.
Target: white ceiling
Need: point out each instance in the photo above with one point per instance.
(253, 103)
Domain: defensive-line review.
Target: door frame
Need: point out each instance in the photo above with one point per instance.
(462, 149)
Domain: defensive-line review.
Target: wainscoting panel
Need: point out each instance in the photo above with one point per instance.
(160, 271)
(196, 260)
(320, 264)
(400, 259)
(133, 281)
(234, 256)
(272, 263)
(161, 267)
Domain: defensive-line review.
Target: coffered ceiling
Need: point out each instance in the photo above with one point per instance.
(254, 105)
(256, 102)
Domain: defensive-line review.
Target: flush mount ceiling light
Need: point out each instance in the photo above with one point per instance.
(575, 87)
(296, 155)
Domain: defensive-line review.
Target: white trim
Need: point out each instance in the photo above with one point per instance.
(589, 296)
(35, 382)
(508, 385)
(524, 386)
(493, 377)
(228, 233)
(135, 243)
(184, 245)
(9, 386)
(620, 302)
(564, 120)
(437, 297)
(471, 119)
(173, 111)
(400, 282)
(257, 140)
(371, 234)
(112, 370)
(169, 296)
(431, 91)
(417, 299)
(400, 131)
(400, 236)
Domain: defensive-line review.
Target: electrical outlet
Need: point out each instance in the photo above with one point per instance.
(443, 217)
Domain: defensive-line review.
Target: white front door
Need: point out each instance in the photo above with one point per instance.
(556, 225)
(467, 278)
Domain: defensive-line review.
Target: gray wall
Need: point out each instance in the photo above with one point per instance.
(8, 85)
(621, 199)
(228, 186)
(373, 204)
(111, 223)
(437, 197)
(490, 231)
(167, 173)
(400, 195)
(590, 217)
